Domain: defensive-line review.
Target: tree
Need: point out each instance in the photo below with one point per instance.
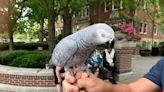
(37, 14)
(49, 6)
(161, 4)
(12, 11)
(95, 5)
(153, 13)
(69, 8)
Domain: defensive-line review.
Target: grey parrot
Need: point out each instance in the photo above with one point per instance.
(74, 49)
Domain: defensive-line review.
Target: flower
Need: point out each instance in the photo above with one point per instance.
(130, 30)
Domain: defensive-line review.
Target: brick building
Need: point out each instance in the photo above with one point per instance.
(108, 12)
(150, 26)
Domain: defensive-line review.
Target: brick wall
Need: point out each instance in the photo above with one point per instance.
(33, 81)
(123, 60)
(30, 77)
(137, 50)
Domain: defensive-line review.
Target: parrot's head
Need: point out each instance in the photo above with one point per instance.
(105, 34)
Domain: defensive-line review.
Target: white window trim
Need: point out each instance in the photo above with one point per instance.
(84, 12)
(142, 29)
(105, 6)
(146, 28)
(113, 5)
(120, 5)
(156, 30)
(145, 4)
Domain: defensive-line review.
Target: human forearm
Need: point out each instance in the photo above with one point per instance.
(120, 88)
(108, 87)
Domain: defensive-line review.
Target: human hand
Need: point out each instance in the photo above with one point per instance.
(93, 84)
(69, 83)
(84, 82)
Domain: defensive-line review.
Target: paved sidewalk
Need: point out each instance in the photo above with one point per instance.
(140, 66)
(5, 91)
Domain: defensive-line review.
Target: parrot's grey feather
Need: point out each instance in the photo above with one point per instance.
(77, 47)
(63, 52)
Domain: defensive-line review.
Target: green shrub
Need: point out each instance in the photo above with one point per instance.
(4, 46)
(13, 55)
(3, 54)
(29, 59)
(161, 48)
(37, 60)
(30, 46)
(24, 46)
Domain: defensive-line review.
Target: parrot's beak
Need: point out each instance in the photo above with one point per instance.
(111, 44)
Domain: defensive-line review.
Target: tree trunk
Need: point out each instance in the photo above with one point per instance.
(51, 28)
(67, 25)
(41, 30)
(11, 43)
(10, 34)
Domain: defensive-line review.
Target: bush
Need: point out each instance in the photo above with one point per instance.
(13, 55)
(28, 59)
(161, 48)
(2, 56)
(30, 46)
(24, 46)
(4, 46)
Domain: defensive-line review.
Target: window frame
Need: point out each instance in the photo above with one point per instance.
(143, 30)
(106, 6)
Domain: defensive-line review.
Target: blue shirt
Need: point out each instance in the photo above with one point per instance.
(156, 74)
(96, 58)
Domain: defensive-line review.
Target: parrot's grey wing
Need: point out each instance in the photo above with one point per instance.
(63, 52)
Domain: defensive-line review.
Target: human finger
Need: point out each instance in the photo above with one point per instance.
(67, 87)
(86, 80)
(82, 91)
(84, 75)
(78, 75)
(69, 78)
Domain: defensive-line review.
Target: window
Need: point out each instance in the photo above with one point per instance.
(121, 4)
(106, 5)
(143, 29)
(117, 4)
(155, 30)
(84, 12)
(114, 5)
(144, 4)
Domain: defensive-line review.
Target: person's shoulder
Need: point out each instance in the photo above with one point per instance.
(160, 62)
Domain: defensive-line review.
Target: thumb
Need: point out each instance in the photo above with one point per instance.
(69, 78)
(85, 81)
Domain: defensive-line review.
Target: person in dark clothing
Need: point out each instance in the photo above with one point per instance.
(109, 61)
(58, 82)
